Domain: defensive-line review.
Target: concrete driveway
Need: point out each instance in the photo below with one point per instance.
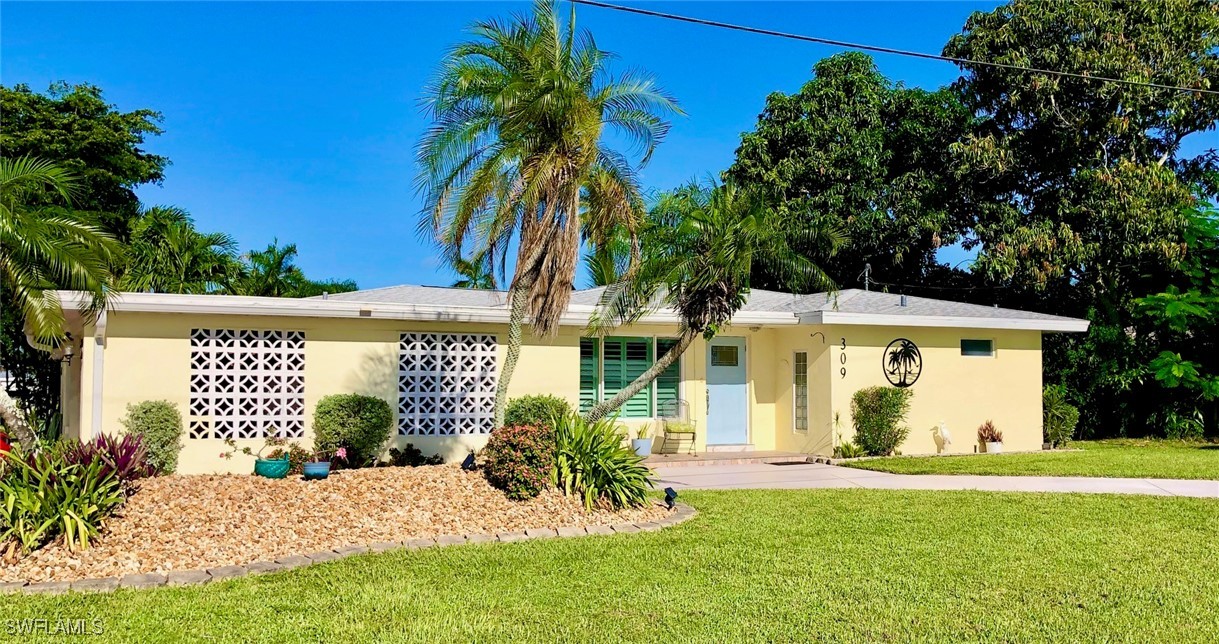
(817, 475)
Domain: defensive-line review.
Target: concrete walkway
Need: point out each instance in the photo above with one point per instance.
(816, 475)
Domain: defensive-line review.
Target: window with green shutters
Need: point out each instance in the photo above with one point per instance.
(669, 381)
(590, 382)
(621, 360)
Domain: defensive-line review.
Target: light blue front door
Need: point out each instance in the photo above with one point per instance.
(727, 397)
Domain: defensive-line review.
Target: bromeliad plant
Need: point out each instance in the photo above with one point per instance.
(988, 434)
(123, 457)
(44, 495)
(592, 462)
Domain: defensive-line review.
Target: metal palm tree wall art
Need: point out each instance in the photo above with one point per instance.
(902, 363)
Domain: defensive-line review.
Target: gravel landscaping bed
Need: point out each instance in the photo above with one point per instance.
(197, 522)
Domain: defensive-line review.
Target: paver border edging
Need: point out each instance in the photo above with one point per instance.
(680, 514)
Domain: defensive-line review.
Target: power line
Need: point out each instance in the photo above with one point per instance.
(874, 48)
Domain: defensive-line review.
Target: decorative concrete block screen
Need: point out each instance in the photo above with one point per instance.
(247, 384)
(446, 384)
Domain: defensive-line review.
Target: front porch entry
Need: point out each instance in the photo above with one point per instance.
(727, 393)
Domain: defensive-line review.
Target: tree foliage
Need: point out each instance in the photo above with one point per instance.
(867, 156)
(73, 126)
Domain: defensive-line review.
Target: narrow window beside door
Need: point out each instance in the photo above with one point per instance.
(800, 392)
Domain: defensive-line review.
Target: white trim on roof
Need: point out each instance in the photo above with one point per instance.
(577, 315)
(1069, 325)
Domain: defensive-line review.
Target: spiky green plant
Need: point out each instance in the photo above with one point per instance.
(593, 463)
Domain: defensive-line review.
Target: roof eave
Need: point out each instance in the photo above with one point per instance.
(1061, 325)
(324, 308)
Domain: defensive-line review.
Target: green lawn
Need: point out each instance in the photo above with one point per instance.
(1114, 458)
(753, 565)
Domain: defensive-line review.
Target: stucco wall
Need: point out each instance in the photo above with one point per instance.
(961, 391)
(147, 357)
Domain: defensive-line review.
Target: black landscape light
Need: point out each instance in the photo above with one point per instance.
(468, 464)
(670, 498)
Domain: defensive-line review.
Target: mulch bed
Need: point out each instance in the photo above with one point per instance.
(203, 521)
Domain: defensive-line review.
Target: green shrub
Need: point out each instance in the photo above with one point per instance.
(878, 414)
(535, 410)
(848, 449)
(159, 424)
(1059, 416)
(592, 462)
(519, 459)
(355, 421)
(46, 496)
(411, 456)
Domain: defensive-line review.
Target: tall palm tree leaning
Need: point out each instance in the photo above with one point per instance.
(700, 245)
(44, 249)
(516, 144)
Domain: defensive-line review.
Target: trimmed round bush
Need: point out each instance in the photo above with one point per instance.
(519, 460)
(541, 409)
(159, 426)
(357, 422)
(878, 414)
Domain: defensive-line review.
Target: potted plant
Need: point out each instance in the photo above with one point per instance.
(274, 465)
(318, 466)
(990, 437)
(642, 443)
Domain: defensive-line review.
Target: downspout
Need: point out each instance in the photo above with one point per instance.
(99, 356)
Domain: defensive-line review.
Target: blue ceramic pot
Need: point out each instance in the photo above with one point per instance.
(316, 471)
(272, 468)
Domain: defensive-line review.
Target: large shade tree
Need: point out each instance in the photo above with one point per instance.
(521, 113)
(702, 246)
(1079, 187)
(868, 156)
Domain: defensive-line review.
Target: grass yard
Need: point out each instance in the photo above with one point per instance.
(754, 565)
(1122, 458)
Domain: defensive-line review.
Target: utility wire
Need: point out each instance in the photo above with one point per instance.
(875, 48)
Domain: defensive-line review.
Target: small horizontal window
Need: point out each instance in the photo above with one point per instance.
(723, 356)
(977, 347)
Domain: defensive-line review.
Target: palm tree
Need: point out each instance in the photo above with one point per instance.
(270, 272)
(700, 246)
(168, 255)
(474, 272)
(45, 249)
(519, 113)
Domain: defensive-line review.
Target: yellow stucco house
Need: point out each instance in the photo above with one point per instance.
(780, 378)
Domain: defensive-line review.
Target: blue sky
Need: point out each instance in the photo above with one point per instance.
(299, 121)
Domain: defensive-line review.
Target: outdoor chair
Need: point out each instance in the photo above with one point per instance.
(676, 425)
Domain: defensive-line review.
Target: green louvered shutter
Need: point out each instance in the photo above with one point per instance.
(668, 382)
(638, 352)
(624, 360)
(589, 357)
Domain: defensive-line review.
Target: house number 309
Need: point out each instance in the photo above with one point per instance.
(842, 359)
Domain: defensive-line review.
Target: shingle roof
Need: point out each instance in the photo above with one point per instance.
(431, 295)
(851, 301)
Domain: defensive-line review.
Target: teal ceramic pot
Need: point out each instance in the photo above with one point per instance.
(272, 468)
(317, 471)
